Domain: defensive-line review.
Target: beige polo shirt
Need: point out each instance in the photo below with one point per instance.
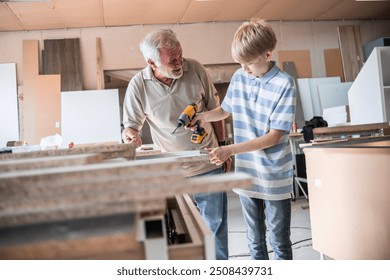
(147, 99)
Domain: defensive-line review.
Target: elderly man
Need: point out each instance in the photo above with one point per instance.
(158, 94)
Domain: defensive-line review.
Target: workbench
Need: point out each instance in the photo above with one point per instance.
(92, 203)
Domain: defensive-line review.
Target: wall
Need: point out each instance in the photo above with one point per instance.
(207, 42)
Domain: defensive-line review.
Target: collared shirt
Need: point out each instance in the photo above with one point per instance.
(259, 104)
(147, 99)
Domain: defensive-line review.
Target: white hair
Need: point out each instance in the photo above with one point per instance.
(162, 38)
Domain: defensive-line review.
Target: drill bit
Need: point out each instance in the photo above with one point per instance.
(175, 130)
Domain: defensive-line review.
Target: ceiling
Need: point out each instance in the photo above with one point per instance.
(16, 15)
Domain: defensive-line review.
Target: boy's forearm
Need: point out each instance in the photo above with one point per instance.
(268, 140)
(214, 115)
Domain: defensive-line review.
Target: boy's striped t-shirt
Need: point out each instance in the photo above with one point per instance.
(259, 104)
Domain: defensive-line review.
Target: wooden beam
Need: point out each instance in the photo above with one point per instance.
(45, 162)
(99, 65)
(108, 151)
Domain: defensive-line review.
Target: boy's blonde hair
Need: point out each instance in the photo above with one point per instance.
(251, 40)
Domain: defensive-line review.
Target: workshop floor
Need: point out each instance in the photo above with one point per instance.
(300, 231)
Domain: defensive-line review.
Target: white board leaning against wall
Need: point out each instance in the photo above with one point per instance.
(90, 116)
(308, 90)
(9, 120)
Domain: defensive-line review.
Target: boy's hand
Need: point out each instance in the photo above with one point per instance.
(220, 155)
(193, 125)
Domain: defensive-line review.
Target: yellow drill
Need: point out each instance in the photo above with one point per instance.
(185, 118)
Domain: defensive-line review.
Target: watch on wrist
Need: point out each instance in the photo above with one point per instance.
(221, 143)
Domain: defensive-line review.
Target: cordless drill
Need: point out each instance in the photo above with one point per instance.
(185, 118)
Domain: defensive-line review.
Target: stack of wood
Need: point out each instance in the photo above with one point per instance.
(69, 204)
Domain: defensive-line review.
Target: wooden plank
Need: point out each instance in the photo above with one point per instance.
(77, 210)
(75, 239)
(351, 51)
(351, 129)
(195, 248)
(47, 106)
(62, 56)
(44, 162)
(49, 207)
(52, 181)
(99, 65)
(109, 151)
(28, 103)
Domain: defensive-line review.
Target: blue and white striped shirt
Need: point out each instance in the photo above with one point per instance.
(258, 105)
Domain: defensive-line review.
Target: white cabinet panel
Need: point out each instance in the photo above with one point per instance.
(90, 116)
(9, 120)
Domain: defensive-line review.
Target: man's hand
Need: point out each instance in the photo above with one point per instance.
(130, 135)
(227, 165)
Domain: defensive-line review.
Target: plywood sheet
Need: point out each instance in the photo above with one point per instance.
(301, 59)
(30, 70)
(351, 51)
(63, 57)
(90, 116)
(9, 121)
(41, 98)
(47, 106)
(333, 63)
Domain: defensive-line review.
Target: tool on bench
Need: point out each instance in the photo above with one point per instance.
(185, 118)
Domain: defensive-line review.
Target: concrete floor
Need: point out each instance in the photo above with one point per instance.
(300, 231)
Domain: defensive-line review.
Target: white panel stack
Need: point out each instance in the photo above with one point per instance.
(338, 115)
(308, 90)
(9, 119)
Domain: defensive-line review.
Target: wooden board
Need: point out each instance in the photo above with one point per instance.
(351, 51)
(45, 162)
(99, 65)
(30, 71)
(41, 98)
(89, 238)
(70, 212)
(109, 237)
(333, 63)
(301, 59)
(109, 151)
(62, 56)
